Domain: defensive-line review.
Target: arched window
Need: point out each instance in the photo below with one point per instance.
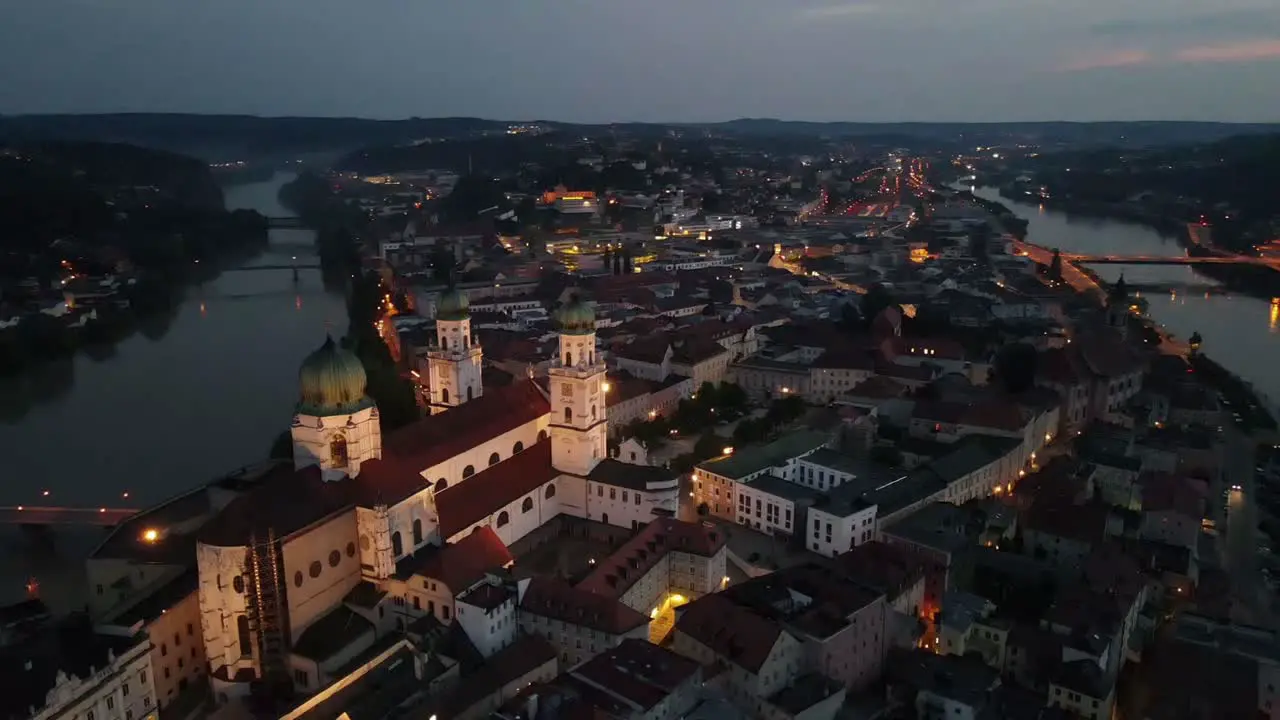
(441, 484)
(246, 640)
(593, 412)
(568, 358)
(503, 518)
(551, 491)
(444, 343)
(542, 435)
(397, 545)
(444, 395)
(568, 415)
(469, 392)
(468, 471)
(494, 459)
(527, 505)
(338, 450)
(517, 448)
(417, 531)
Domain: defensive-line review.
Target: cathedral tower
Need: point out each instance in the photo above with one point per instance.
(578, 426)
(1118, 306)
(455, 363)
(335, 424)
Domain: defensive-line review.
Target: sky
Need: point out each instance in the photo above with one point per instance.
(648, 60)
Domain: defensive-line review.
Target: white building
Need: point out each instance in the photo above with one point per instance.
(109, 679)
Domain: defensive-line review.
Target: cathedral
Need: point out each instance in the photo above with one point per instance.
(360, 513)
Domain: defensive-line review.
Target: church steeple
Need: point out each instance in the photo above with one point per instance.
(455, 363)
(1118, 306)
(578, 425)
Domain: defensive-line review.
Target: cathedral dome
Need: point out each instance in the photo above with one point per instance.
(576, 317)
(453, 305)
(331, 381)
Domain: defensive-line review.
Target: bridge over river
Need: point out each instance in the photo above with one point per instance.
(49, 515)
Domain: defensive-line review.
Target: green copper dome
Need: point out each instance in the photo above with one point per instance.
(453, 305)
(331, 381)
(576, 318)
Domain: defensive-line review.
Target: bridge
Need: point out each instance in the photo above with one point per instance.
(299, 266)
(1170, 260)
(283, 223)
(1164, 287)
(46, 515)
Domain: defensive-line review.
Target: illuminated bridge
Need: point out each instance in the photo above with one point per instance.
(1170, 260)
(46, 515)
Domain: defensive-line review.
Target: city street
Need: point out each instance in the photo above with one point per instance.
(1240, 543)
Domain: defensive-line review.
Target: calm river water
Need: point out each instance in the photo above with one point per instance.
(178, 403)
(1241, 332)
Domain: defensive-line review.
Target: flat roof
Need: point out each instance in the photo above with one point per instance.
(754, 458)
(938, 525)
(784, 489)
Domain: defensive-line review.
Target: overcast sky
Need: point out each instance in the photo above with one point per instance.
(655, 60)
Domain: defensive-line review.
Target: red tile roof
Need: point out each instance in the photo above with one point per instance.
(488, 491)
(1084, 523)
(436, 438)
(732, 632)
(994, 414)
(1060, 366)
(554, 598)
(877, 387)
(644, 279)
(512, 663)
(887, 568)
(1106, 353)
(285, 501)
(1162, 492)
(648, 350)
(639, 672)
(618, 572)
(459, 565)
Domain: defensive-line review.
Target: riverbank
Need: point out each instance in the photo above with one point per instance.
(94, 308)
(1240, 331)
(194, 391)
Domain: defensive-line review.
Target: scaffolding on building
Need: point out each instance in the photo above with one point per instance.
(268, 621)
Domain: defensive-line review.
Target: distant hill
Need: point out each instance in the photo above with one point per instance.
(222, 137)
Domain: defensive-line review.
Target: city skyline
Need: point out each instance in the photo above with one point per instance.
(914, 60)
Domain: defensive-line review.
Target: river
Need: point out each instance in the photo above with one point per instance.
(1240, 332)
(177, 404)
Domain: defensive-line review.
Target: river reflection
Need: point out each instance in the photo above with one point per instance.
(186, 397)
(1239, 331)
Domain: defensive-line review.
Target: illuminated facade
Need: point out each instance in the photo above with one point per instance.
(284, 562)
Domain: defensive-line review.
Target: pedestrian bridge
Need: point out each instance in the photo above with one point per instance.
(49, 515)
